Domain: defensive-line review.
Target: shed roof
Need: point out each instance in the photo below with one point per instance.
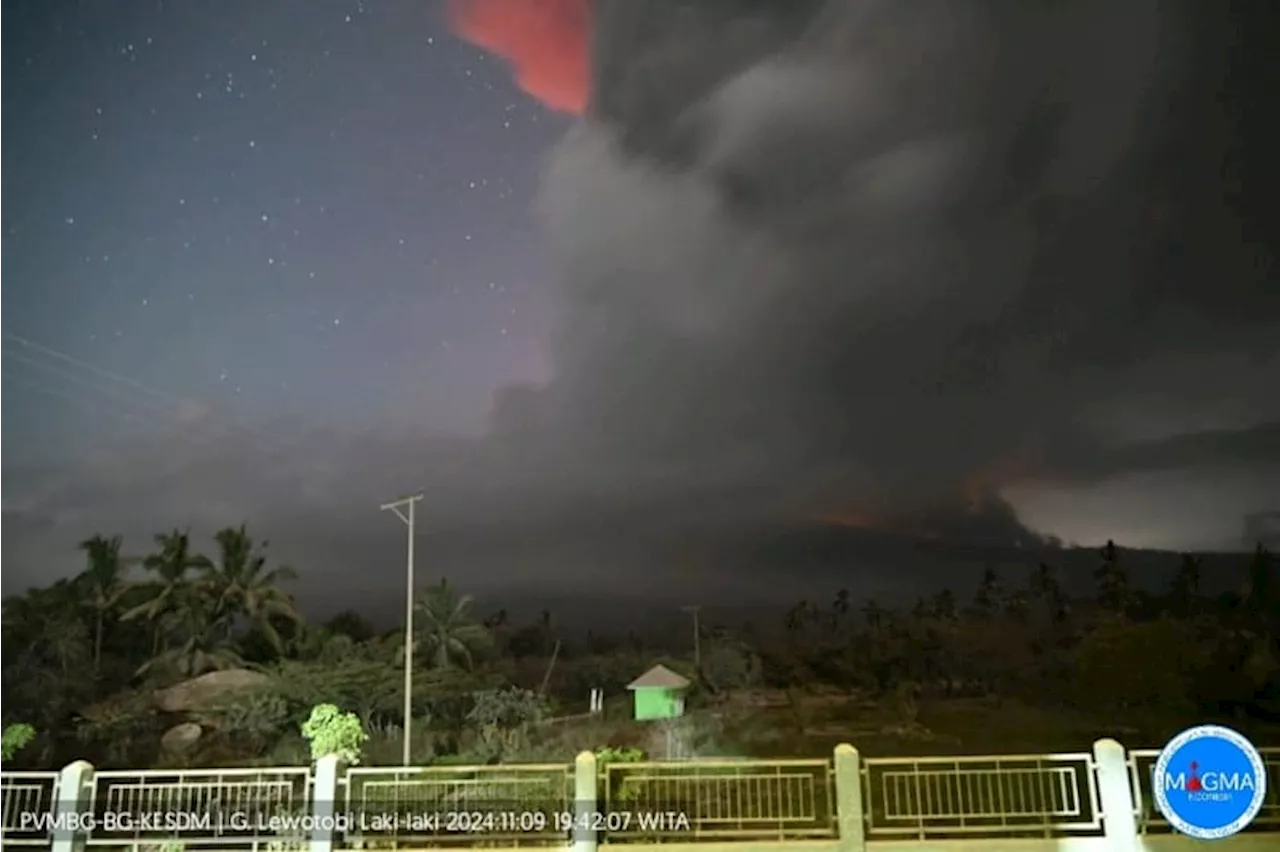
(659, 677)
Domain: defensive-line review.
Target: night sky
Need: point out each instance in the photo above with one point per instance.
(301, 210)
(280, 262)
(226, 226)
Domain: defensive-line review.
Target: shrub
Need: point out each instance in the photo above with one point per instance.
(254, 720)
(607, 755)
(14, 739)
(333, 732)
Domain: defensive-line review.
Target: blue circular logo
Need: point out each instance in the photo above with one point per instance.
(1209, 782)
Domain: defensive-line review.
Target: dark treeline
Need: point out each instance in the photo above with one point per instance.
(84, 657)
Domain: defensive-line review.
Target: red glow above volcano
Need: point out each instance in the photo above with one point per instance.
(545, 41)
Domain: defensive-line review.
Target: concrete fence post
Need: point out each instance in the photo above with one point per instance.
(324, 804)
(1115, 796)
(586, 800)
(850, 819)
(71, 825)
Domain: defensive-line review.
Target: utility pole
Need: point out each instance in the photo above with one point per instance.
(694, 609)
(407, 516)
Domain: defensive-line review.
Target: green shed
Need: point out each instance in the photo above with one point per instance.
(659, 694)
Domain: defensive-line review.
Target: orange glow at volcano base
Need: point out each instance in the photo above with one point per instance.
(862, 519)
(854, 519)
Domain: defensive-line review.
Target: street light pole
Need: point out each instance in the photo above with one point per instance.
(693, 610)
(398, 507)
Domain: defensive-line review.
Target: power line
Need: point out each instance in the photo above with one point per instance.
(86, 365)
(131, 392)
(61, 371)
(190, 458)
(141, 403)
(151, 396)
(44, 390)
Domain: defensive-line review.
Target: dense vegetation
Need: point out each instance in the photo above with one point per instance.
(84, 659)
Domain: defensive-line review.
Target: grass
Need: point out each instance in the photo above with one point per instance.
(771, 724)
(815, 724)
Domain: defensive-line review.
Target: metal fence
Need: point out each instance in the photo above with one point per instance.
(223, 807)
(516, 804)
(28, 801)
(927, 798)
(730, 799)
(1142, 766)
(1004, 795)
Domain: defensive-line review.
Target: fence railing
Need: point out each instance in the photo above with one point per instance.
(729, 799)
(28, 798)
(1102, 796)
(516, 804)
(1009, 795)
(1142, 766)
(200, 806)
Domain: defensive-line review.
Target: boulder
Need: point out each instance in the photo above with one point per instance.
(180, 739)
(208, 691)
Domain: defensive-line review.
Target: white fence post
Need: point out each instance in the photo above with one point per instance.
(851, 828)
(586, 782)
(1119, 812)
(74, 786)
(324, 804)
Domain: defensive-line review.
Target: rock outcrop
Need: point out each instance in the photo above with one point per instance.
(208, 691)
(181, 739)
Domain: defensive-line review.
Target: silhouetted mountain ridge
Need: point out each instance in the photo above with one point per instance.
(745, 576)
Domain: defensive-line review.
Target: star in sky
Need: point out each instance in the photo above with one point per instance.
(241, 208)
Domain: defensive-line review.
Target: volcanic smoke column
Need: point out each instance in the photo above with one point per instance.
(848, 252)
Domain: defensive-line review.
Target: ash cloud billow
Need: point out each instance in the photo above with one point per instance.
(860, 254)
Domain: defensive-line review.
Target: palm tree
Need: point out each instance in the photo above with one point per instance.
(104, 584)
(195, 616)
(447, 630)
(839, 609)
(1114, 593)
(241, 585)
(1185, 588)
(546, 630)
(1260, 592)
(796, 618)
(874, 614)
(1259, 623)
(1047, 593)
(171, 566)
(943, 605)
(1017, 605)
(989, 597)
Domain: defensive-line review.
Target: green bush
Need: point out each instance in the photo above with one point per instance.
(611, 754)
(14, 739)
(333, 732)
(607, 755)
